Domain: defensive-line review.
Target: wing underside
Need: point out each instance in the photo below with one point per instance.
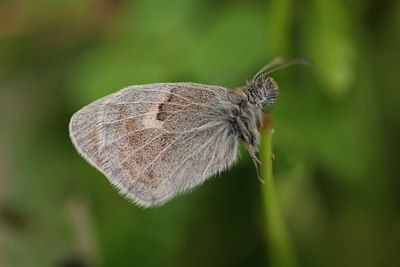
(157, 141)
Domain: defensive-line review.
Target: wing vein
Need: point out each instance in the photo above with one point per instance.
(191, 155)
(126, 135)
(141, 147)
(211, 159)
(160, 154)
(139, 115)
(161, 102)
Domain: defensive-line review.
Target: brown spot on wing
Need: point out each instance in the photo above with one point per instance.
(94, 136)
(122, 112)
(129, 168)
(150, 180)
(134, 140)
(165, 108)
(139, 160)
(161, 116)
(130, 125)
(122, 153)
(151, 175)
(124, 127)
(164, 140)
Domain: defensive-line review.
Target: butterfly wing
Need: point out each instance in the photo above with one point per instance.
(156, 141)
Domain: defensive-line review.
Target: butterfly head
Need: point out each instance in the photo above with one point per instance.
(262, 90)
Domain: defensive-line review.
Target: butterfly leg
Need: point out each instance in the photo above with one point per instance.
(249, 140)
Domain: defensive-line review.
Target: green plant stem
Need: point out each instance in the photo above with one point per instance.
(279, 247)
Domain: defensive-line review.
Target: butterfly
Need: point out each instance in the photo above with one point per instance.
(156, 141)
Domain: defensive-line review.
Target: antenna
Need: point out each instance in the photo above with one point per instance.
(280, 63)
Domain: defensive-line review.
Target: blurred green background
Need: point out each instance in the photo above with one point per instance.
(336, 142)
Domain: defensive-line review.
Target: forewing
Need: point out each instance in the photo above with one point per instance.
(156, 141)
